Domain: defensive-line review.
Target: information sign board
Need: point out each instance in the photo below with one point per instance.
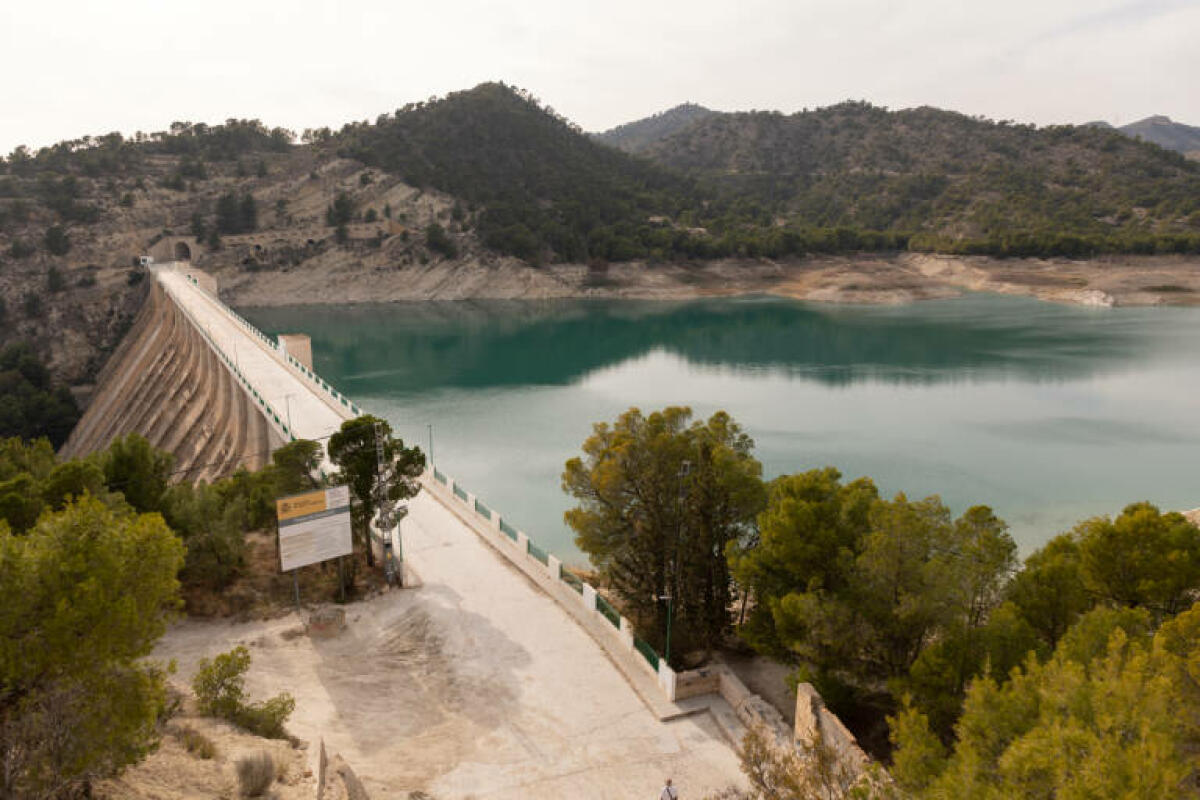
(314, 527)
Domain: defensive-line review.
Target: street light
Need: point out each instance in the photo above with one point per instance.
(667, 597)
(685, 469)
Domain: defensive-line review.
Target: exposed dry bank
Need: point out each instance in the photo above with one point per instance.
(877, 279)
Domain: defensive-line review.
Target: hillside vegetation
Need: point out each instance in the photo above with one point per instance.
(848, 177)
(633, 137)
(953, 182)
(536, 186)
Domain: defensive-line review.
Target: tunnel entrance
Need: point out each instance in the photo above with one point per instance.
(182, 252)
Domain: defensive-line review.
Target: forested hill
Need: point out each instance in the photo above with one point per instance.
(534, 184)
(636, 136)
(847, 177)
(941, 174)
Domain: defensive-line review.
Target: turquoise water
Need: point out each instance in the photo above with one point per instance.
(1047, 413)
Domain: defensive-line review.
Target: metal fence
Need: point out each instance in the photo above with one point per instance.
(572, 580)
(610, 613)
(537, 552)
(508, 530)
(647, 652)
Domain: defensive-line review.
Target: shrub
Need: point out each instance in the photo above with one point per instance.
(267, 718)
(219, 683)
(340, 211)
(438, 240)
(255, 774)
(196, 742)
(20, 249)
(31, 304)
(55, 282)
(219, 687)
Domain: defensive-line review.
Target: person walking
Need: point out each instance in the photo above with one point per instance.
(669, 792)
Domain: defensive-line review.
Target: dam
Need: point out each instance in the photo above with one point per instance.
(575, 704)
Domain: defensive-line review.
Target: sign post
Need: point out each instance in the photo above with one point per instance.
(313, 527)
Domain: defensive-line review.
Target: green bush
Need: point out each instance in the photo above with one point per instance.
(267, 718)
(31, 304)
(219, 685)
(439, 241)
(57, 241)
(55, 282)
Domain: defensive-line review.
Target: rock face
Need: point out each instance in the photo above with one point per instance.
(165, 383)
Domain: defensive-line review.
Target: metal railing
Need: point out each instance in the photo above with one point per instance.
(643, 647)
(610, 613)
(537, 552)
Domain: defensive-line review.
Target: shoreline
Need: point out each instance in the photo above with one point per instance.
(889, 279)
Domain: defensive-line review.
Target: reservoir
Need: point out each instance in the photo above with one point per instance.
(1047, 413)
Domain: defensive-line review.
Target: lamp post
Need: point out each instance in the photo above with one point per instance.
(430, 427)
(685, 469)
(667, 655)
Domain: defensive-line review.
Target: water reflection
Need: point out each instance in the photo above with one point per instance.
(413, 346)
(1047, 413)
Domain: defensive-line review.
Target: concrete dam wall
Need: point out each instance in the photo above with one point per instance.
(165, 382)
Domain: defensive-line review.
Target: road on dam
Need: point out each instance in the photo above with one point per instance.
(472, 682)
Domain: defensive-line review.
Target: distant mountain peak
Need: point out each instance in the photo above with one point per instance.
(1164, 132)
(636, 136)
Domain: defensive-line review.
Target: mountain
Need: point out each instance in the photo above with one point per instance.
(634, 137)
(1164, 132)
(542, 188)
(942, 176)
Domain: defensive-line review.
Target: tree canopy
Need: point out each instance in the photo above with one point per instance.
(30, 405)
(659, 500)
(86, 593)
(353, 449)
(1113, 713)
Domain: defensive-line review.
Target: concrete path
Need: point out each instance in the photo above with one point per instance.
(475, 683)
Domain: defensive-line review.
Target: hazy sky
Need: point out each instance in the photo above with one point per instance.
(72, 68)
